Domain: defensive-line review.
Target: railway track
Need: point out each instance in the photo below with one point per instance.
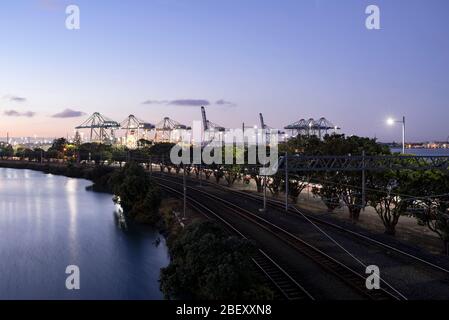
(284, 283)
(288, 287)
(294, 210)
(279, 205)
(352, 278)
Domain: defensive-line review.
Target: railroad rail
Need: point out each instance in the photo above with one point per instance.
(279, 205)
(340, 270)
(280, 279)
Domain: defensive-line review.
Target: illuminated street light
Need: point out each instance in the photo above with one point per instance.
(391, 122)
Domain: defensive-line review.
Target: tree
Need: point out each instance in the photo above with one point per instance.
(102, 178)
(58, 149)
(275, 184)
(22, 152)
(141, 143)
(232, 172)
(77, 141)
(345, 185)
(147, 211)
(97, 152)
(329, 193)
(53, 154)
(70, 152)
(6, 150)
(119, 154)
(162, 150)
(130, 185)
(385, 197)
(296, 185)
(38, 154)
(431, 202)
(351, 195)
(208, 264)
(59, 145)
(258, 179)
(140, 155)
(134, 191)
(307, 145)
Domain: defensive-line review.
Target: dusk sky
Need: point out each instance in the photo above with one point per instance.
(287, 59)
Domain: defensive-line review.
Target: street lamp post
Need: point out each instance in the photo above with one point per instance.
(403, 135)
(392, 122)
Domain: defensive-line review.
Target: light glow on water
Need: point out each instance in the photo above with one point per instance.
(423, 152)
(50, 222)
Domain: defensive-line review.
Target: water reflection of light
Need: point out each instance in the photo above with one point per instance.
(71, 186)
(38, 209)
(120, 217)
(71, 194)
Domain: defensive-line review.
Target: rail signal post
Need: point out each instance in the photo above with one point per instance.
(184, 190)
(264, 209)
(264, 194)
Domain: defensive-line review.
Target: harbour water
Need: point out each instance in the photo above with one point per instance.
(49, 222)
(424, 152)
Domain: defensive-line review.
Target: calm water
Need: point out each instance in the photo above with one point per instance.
(424, 152)
(49, 222)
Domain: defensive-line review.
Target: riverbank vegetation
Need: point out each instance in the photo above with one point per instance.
(209, 264)
(138, 195)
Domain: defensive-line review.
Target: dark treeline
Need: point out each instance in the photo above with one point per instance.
(62, 150)
(423, 194)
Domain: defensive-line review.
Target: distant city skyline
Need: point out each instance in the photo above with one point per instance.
(288, 59)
